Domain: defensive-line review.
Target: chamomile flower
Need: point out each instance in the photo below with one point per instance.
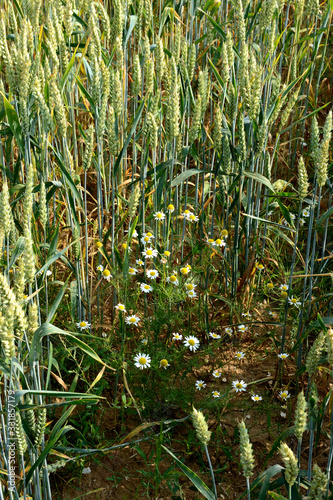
(240, 355)
(192, 294)
(144, 287)
(193, 218)
(283, 355)
(150, 252)
(173, 279)
(164, 363)
(139, 262)
(192, 342)
(126, 247)
(132, 320)
(48, 273)
(256, 398)
(135, 233)
(159, 216)
(186, 214)
(283, 415)
(292, 216)
(215, 394)
(247, 315)
(224, 233)
(284, 394)
(170, 208)
(294, 302)
(142, 361)
(211, 242)
(239, 385)
(177, 336)
(166, 253)
(242, 328)
(145, 240)
(284, 287)
(152, 274)
(121, 307)
(260, 267)
(184, 270)
(190, 286)
(107, 275)
(306, 212)
(100, 268)
(270, 286)
(220, 243)
(216, 374)
(228, 330)
(132, 271)
(301, 222)
(144, 341)
(200, 384)
(83, 325)
(214, 335)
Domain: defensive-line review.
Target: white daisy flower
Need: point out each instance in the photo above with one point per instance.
(177, 336)
(145, 240)
(242, 328)
(239, 385)
(150, 252)
(211, 242)
(104, 334)
(228, 330)
(260, 267)
(144, 287)
(152, 274)
(100, 268)
(247, 315)
(294, 302)
(107, 275)
(215, 394)
(284, 288)
(190, 286)
(292, 216)
(187, 214)
(256, 398)
(200, 384)
(192, 294)
(142, 361)
(144, 341)
(220, 243)
(171, 208)
(121, 307)
(184, 270)
(132, 271)
(159, 216)
(139, 262)
(164, 363)
(214, 335)
(283, 415)
(283, 355)
(173, 279)
(192, 342)
(240, 355)
(192, 218)
(216, 374)
(284, 394)
(83, 325)
(135, 233)
(132, 320)
(48, 273)
(306, 212)
(301, 222)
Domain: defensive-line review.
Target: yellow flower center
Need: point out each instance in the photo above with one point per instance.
(159, 215)
(184, 270)
(167, 253)
(284, 295)
(132, 320)
(99, 244)
(173, 279)
(171, 207)
(146, 287)
(270, 285)
(121, 307)
(152, 273)
(146, 238)
(284, 395)
(83, 323)
(191, 342)
(238, 355)
(239, 385)
(131, 270)
(142, 361)
(294, 301)
(149, 252)
(284, 287)
(25, 296)
(106, 272)
(164, 362)
(189, 287)
(256, 398)
(260, 266)
(224, 233)
(124, 245)
(218, 241)
(186, 212)
(210, 240)
(149, 234)
(192, 217)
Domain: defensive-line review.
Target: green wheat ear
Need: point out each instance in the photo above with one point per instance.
(246, 452)
(201, 427)
(290, 463)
